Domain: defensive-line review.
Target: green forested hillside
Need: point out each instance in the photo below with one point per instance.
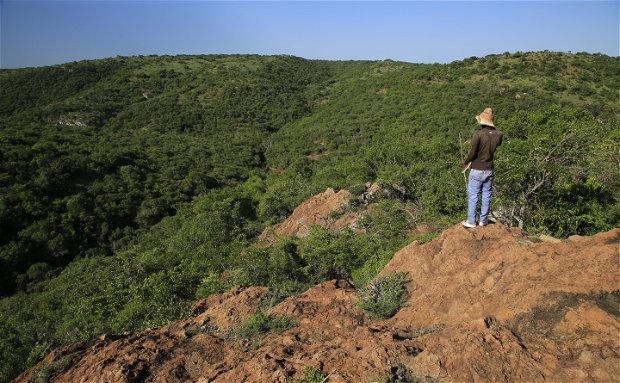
(129, 186)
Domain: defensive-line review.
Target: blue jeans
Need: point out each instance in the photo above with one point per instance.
(479, 180)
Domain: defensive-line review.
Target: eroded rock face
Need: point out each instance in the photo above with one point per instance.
(485, 304)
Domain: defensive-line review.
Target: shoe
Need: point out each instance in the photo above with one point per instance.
(482, 224)
(468, 225)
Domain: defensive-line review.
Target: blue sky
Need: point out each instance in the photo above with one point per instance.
(36, 33)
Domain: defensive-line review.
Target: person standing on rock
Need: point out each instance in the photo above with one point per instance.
(480, 160)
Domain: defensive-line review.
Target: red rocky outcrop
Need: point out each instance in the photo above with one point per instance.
(485, 304)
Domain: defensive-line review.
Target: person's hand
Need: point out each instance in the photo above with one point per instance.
(465, 167)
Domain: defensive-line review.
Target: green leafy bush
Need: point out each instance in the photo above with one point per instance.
(384, 296)
(373, 265)
(262, 323)
(549, 172)
(312, 375)
(48, 371)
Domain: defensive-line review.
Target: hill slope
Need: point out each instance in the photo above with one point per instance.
(486, 304)
(95, 152)
(130, 186)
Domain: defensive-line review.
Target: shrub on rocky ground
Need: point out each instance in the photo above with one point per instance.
(384, 296)
(262, 323)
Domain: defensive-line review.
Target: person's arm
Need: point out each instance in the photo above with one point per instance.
(473, 152)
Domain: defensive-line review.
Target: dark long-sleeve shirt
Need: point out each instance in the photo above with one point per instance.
(483, 146)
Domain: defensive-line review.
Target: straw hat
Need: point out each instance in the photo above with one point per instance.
(486, 117)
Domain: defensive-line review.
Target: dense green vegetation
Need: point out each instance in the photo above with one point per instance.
(131, 186)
